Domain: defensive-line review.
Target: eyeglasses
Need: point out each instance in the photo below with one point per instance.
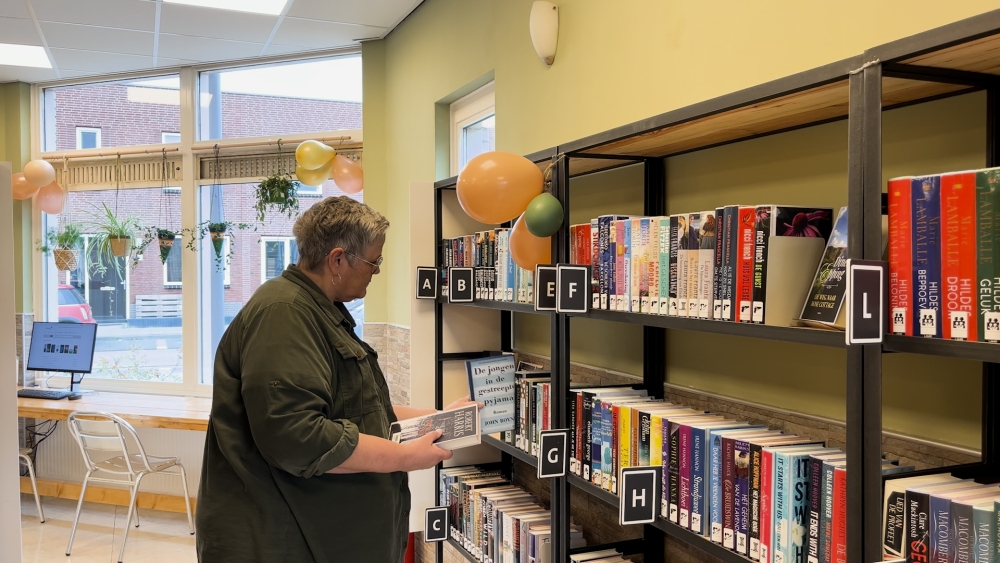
(375, 265)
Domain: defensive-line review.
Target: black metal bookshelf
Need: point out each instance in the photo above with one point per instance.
(954, 59)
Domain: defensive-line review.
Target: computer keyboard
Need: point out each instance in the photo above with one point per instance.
(43, 393)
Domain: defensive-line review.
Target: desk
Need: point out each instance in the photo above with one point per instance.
(150, 411)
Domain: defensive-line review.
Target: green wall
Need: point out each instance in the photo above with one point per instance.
(15, 119)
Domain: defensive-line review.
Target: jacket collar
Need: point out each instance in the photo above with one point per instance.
(336, 310)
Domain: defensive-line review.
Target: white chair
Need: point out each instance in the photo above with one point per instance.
(104, 442)
(24, 456)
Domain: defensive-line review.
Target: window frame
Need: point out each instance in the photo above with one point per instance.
(82, 129)
(263, 254)
(193, 335)
(465, 111)
(163, 138)
(227, 272)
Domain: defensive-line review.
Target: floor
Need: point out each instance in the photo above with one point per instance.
(161, 536)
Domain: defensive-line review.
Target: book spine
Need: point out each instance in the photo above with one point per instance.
(634, 266)
(588, 436)
(620, 278)
(958, 256)
(715, 489)
(596, 447)
(532, 417)
(635, 434)
(672, 260)
(815, 508)
(698, 481)
(721, 242)
(604, 257)
(826, 514)
(643, 263)
(996, 531)
(779, 545)
(728, 494)
(798, 507)
(961, 534)
(673, 492)
(545, 406)
(628, 246)
(611, 477)
(940, 540)
(655, 441)
(762, 237)
(574, 249)
(624, 434)
(754, 533)
(743, 297)
(664, 265)
(664, 430)
(986, 255)
(731, 262)
(595, 260)
(572, 439)
(838, 550)
(926, 197)
(653, 254)
(607, 445)
(766, 505)
(706, 264)
(694, 264)
(900, 257)
(684, 478)
(683, 240)
(741, 495)
(511, 272)
(982, 528)
(918, 527)
(580, 434)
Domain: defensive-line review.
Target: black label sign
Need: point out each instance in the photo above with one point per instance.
(427, 281)
(640, 495)
(436, 524)
(866, 287)
(545, 288)
(573, 284)
(552, 459)
(460, 287)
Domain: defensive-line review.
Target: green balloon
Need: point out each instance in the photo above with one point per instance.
(544, 215)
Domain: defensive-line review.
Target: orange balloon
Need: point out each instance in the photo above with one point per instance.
(348, 176)
(52, 199)
(497, 186)
(526, 249)
(21, 187)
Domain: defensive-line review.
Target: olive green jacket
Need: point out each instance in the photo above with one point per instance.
(293, 389)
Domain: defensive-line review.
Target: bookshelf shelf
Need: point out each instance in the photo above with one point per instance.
(461, 550)
(498, 305)
(954, 59)
(814, 336)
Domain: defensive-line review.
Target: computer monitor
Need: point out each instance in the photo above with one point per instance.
(64, 347)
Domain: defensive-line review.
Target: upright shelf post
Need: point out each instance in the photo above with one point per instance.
(991, 371)
(560, 360)
(438, 349)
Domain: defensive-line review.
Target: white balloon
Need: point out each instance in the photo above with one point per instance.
(39, 173)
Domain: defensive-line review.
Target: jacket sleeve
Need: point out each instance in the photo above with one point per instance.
(286, 385)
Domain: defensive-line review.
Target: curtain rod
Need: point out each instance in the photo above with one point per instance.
(211, 148)
(116, 154)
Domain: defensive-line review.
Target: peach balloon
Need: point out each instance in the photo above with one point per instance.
(52, 199)
(348, 176)
(21, 187)
(39, 173)
(497, 186)
(526, 249)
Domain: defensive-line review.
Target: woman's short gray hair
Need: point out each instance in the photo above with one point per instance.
(336, 222)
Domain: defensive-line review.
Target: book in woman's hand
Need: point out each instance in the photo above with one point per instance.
(459, 428)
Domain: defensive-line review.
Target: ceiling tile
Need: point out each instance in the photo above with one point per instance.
(221, 24)
(93, 61)
(205, 48)
(93, 38)
(313, 34)
(13, 9)
(124, 14)
(25, 74)
(18, 31)
(383, 13)
(275, 49)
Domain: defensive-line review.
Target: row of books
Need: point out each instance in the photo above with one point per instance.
(496, 521)
(941, 519)
(496, 276)
(944, 281)
(738, 263)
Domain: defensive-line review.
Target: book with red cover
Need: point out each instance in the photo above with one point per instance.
(620, 246)
(766, 505)
(744, 264)
(838, 552)
(958, 256)
(900, 257)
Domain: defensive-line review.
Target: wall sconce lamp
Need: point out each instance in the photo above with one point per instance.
(544, 27)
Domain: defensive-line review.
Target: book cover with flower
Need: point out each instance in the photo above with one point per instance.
(826, 295)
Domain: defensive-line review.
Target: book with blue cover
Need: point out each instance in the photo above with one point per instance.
(491, 382)
(926, 194)
(791, 501)
(714, 503)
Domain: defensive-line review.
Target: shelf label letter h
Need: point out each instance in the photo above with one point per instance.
(637, 498)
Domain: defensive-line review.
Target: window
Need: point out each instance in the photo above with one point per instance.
(308, 191)
(172, 267)
(276, 253)
(168, 138)
(473, 127)
(300, 97)
(88, 138)
(117, 113)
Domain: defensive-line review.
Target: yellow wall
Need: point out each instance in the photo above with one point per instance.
(618, 62)
(14, 147)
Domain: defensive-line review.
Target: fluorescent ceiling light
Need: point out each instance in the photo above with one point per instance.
(23, 55)
(269, 7)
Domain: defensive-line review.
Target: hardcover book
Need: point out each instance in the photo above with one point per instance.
(683, 262)
(720, 252)
(730, 261)
(694, 265)
(926, 198)
(988, 254)
(621, 241)
(459, 428)
(491, 382)
(900, 257)
(707, 237)
(743, 285)
(826, 294)
(664, 265)
(958, 257)
(894, 510)
(642, 265)
(595, 258)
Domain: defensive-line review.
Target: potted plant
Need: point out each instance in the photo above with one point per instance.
(218, 232)
(64, 245)
(277, 192)
(166, 239)
(115, 237)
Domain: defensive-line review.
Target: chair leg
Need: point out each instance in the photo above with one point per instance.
(34, 488)
(79, 507)
(131, 510)
(136, 513)
(187, 501)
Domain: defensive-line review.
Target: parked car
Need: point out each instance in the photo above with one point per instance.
(73, 308)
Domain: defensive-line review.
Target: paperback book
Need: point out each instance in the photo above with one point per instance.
(491, 382)
(459, 428)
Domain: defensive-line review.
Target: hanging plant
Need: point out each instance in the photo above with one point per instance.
(218, 233)
(277, 192)
(115, 238)
(165, 238)
(64, 245)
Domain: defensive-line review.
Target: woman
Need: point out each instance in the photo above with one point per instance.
(297, 463)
